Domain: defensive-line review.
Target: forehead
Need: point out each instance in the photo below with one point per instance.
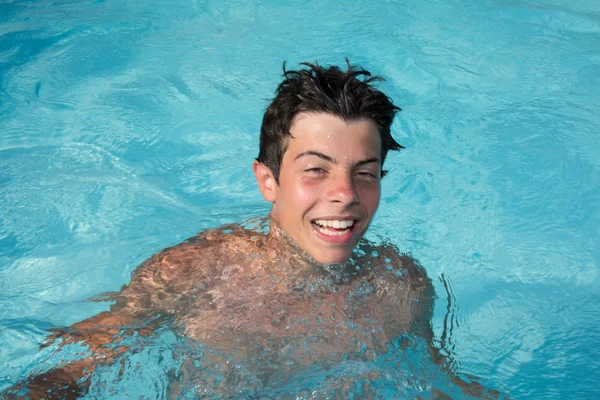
(331, 134)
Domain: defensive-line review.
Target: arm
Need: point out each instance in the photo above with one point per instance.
(422, 326)
(138, 309)
(408, 297)
(101, 334)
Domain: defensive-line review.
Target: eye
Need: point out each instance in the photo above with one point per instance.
(315, 171)
(368, 175)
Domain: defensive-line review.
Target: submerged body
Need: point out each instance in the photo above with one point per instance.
(264, 282)
(267, 305)
(259, 303)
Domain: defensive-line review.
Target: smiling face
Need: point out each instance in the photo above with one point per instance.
(329, 184)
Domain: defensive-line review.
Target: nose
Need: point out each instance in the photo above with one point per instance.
(342, 190)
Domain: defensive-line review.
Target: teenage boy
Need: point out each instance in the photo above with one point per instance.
(304, 287)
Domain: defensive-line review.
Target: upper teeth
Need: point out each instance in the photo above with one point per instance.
(337, 224)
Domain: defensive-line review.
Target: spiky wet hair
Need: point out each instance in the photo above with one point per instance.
(348, 95)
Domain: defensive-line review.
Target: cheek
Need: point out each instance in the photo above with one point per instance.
(301, 193)
(371, 197)
(307, 193)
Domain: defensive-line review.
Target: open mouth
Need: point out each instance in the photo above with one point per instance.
(334, 227)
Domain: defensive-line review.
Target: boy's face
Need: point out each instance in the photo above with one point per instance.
(329, 184)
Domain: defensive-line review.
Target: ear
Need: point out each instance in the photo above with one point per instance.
(265, 179)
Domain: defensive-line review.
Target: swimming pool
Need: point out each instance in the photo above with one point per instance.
(126, 127)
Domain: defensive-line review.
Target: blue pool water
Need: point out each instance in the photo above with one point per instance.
(127, 126)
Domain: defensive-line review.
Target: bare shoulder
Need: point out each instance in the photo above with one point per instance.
(202, 251)
(415, 272)
(196, 262)
(396, 265)
(404, 291)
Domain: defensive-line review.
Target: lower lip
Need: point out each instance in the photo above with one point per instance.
(337, 239)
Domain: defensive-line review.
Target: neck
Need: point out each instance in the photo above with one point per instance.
(299, 258)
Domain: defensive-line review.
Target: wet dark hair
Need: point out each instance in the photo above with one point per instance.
(328, 90)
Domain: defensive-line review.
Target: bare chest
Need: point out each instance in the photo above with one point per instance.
(319, 314)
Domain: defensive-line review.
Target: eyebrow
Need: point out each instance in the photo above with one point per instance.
(333, 160)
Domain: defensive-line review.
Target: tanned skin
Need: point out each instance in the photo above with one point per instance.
(213, 287)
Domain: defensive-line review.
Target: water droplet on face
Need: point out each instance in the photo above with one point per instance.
(374, 253)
